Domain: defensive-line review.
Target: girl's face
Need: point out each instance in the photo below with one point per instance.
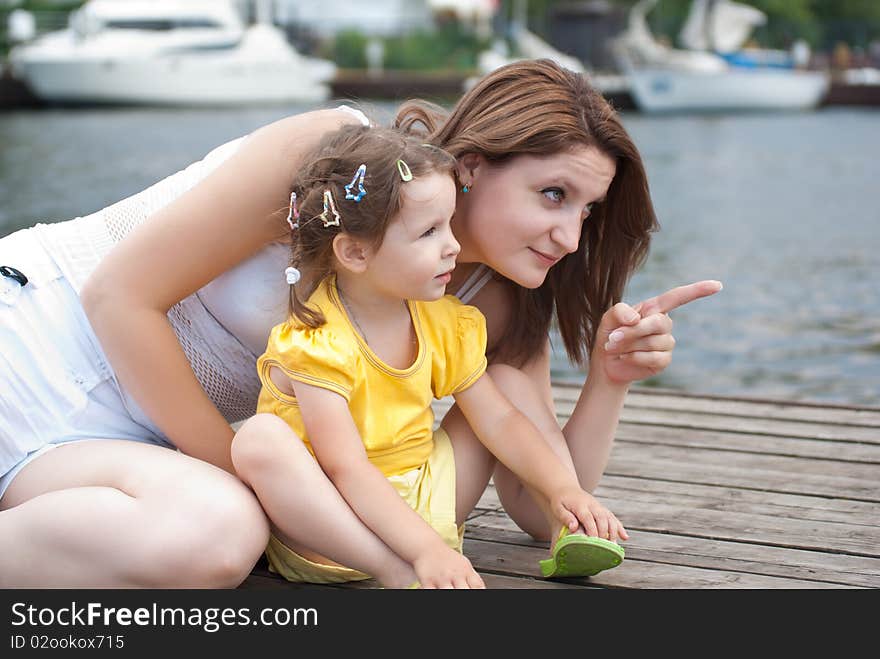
(417, 254)
(522, 216)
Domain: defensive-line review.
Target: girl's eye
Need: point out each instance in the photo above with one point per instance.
(554, 194)
(429, 232)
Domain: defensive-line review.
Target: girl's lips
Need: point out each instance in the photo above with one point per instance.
(549, 260)
(445, 278)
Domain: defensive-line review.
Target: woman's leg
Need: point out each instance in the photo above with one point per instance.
(114, 513)
(518, 502)
(308, 513)
(473, 464)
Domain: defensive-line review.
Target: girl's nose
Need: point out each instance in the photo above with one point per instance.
(452, 246)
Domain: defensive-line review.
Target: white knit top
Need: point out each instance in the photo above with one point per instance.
(223, 327)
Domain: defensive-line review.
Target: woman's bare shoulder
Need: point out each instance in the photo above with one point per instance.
(495, 301)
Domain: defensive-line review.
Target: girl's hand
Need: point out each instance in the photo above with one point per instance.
(574, 508)
(634, 343)
(444, 567)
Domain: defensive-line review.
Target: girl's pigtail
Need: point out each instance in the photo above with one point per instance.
(415, 112)
(296, 307)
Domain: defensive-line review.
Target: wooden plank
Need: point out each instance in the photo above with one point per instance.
(776, 411)
(707, 421)
(522, 560)
(793, 506)
(728, 406)
(807, 565)
(761, 472)
(700, 421)
(813, 568)
(749, 443)
(834, 537)
(262, 579)
(624, 493)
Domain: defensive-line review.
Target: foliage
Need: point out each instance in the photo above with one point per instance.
(820, 22)
(449, 47)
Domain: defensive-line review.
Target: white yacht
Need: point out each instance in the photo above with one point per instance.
(168, 52)
(713, 73)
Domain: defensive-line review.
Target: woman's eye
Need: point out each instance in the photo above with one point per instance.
(554, 194)
(429, 232)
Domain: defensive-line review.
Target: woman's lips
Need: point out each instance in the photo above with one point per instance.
(544, 258)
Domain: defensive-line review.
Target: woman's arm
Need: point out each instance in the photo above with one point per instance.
(589, 431)
(643, 348)
(227, 217)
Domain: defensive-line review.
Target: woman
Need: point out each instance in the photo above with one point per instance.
(177, 287)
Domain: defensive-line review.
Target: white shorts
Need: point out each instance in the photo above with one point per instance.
(56, 385)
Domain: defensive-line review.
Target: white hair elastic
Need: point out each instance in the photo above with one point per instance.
(293, 275)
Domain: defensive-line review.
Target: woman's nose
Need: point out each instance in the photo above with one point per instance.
(568, 234)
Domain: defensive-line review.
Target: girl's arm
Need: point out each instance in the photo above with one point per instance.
(227, 217)
(512, 438)
(589, 431)
(341, 454)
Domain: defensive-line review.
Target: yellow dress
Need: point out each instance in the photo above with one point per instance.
(390, 407)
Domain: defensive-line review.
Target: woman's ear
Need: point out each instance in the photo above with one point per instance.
(467, 167)
(351, 253)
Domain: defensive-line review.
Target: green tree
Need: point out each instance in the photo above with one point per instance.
(822, 23)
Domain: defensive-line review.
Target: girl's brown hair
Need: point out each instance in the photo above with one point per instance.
(537, 107)
(331, 166)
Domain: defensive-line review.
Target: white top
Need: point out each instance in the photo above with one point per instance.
(224, 326)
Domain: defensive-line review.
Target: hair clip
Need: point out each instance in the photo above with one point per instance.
(359, 179)
(292, 274)
(329, 207)
(293, 213)
(405, 172)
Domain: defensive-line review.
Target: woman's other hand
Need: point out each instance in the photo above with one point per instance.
(634, 343)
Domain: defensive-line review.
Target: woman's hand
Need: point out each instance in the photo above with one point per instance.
(634, 343)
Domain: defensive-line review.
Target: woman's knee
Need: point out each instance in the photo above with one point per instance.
(211, 539)
(524, 394)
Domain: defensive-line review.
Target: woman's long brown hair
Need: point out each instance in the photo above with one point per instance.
(537, 107)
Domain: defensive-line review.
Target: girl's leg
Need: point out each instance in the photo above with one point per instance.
(114, 513)
(470, 455)
(308, 513)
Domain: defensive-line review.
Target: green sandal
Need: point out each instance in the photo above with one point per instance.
(579, 555)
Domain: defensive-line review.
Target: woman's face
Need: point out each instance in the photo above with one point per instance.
(522, 216)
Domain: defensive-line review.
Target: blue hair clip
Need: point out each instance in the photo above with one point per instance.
(359, 179)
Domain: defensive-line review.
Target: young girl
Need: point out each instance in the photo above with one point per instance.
(353, 371)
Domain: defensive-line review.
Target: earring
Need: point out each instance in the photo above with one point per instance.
(466, 188)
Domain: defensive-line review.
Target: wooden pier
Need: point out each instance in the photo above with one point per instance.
(715, 492)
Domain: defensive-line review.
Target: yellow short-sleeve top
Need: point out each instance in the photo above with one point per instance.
(390, 407)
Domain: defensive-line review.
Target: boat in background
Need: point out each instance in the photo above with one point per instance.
(529, 45)
(164, 52)
(714, 73)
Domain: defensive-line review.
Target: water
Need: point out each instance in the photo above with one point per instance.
(782, 208)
